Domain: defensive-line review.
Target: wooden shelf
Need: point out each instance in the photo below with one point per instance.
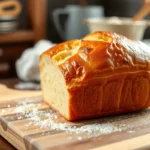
(12, 44)
(17, 36)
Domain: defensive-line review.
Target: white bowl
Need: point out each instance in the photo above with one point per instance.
(124, 26)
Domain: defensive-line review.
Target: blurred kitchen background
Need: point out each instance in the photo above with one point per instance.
(37, 20)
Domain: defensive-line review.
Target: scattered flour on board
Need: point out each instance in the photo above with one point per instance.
(47, 118)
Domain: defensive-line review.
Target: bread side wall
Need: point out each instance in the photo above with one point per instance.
(111, 95)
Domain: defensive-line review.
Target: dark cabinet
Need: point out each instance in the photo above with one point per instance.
(13, 44)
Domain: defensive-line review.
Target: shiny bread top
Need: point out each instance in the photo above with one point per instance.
(99, 54)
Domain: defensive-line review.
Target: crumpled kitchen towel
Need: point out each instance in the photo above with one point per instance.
(147, 42)
(27, 66)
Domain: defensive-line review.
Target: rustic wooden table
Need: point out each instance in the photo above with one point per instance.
(4, 145)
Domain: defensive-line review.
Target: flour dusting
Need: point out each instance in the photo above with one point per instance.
(48, 118)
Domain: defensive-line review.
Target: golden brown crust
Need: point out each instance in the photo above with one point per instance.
(111, 95)
(115, 54)
(108, 74)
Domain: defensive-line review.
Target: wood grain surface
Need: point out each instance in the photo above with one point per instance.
(135, 135)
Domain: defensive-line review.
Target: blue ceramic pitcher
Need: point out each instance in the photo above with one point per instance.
(69, 20)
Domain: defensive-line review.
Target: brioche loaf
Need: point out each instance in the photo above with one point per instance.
(102, 74)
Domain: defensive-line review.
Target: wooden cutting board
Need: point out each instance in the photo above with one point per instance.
(129, 131)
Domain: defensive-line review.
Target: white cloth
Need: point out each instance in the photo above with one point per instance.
(147, 42)
(27, 66)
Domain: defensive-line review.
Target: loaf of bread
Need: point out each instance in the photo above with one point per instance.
(102, 74)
